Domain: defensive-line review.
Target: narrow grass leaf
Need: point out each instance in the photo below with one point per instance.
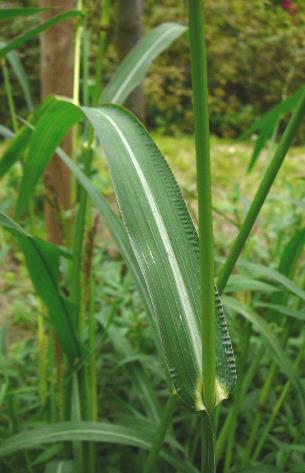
(282, 310)
(273, 275)
(41, 150)
(290, 257)
(133, 68)
(239, 283)
(10, 13)
(261, 469)
(279, 355)
(291, 254)
(105, 432)
(22, 77)
(124, 349)
(15, 150)
(42, 261)
(267, 123)
(28, 35)
(47, 454)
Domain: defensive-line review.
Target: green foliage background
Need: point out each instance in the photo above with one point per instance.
(256, 57)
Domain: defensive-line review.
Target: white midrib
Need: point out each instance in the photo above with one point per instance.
(181, 289)
(139, 64)
(60, 467)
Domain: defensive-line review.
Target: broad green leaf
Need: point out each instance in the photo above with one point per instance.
(133, 68)
(41, 150)
(90, 432)
(10, 13)
(42, 260)
(170, 291)
(15, 149)
(76, 431)
(165, 244)
(57, 119)
(24, 37)
(279, 355)
(20, 141)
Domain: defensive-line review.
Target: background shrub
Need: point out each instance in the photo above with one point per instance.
(256, 57)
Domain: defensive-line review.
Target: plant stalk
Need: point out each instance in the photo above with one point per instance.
(262, 192)
(201, 118)
(207, 444)
(205, 212)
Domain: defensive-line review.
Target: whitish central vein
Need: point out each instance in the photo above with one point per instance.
(181, 288)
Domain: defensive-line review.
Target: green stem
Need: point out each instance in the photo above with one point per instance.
(158, 440)
(77, 56)
(262, 192)
(207, 444)
(9, 95)
(201, 118)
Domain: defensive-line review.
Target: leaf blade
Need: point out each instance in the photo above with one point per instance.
(133, 68)
(25, 37)
(165, 245)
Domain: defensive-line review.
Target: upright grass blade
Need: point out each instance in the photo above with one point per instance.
(266, 125)
(9, 95)
(263, 191)
(24, 37)
(151, 460)
(133, 68)
(42, 260)
(22, 77)
(124, 349)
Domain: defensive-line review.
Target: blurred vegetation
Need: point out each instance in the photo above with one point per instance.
(256, 58)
